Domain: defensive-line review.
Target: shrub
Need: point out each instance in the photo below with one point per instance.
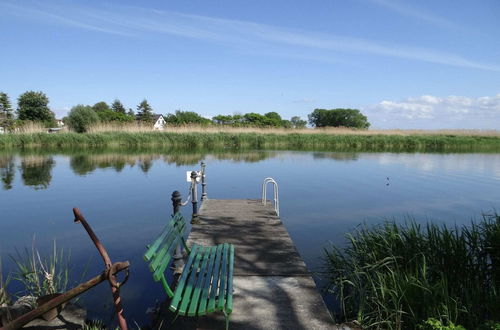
(81, 117)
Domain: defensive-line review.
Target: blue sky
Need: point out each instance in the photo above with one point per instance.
(405, 64)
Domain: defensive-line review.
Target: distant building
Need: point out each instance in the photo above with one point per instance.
(159, 122)
(59, 122)
(2, 130)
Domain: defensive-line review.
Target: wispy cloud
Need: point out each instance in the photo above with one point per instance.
(447, 112)
(130, 21)
(407, 10)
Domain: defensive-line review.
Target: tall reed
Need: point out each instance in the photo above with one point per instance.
(397, 276)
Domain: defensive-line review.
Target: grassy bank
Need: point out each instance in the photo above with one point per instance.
(397, 277)
(258, 140)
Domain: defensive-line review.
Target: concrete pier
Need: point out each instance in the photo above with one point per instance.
(272, 287)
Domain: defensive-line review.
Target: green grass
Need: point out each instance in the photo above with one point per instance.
(291, 141)
(397, 276)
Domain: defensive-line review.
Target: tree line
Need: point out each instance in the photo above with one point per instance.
(33, 106)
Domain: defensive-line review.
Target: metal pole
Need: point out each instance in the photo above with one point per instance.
(115, 290)
(194, 197)
(203, 182)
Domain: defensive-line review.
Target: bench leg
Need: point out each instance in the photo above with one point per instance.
(227, 316)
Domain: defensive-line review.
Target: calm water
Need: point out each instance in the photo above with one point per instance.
(323, 195)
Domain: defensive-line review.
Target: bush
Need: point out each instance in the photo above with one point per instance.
(81, 117)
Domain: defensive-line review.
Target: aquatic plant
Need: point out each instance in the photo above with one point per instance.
(396, 276)
(42, 276)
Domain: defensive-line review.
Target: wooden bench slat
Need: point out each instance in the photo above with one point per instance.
(223, 278)
(229, 304)
(215, 280)
(180, 286)
(208, 280)
(165, 247)
(194, 274)
(200, 281)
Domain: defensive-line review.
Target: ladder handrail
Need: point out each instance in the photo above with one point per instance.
(276, 196)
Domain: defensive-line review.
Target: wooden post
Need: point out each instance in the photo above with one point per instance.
(194, 197)
(203, 182)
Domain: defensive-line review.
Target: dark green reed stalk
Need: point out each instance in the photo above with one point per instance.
(397, 276)
(290, 141)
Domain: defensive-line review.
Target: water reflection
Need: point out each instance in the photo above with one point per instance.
(7, 171)
(36, 171)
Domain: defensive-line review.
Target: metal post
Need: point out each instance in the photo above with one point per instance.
(194, 197)
(203, 182)
(176, 201)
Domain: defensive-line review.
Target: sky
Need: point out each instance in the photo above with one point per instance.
(405, 64)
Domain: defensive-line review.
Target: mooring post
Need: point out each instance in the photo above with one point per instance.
(176, 201)
(203, 182)
(194, 197)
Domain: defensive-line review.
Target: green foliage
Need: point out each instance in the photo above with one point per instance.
(42, 276)
(111, 116)
(101, 106)
(435, 324)
(81, 117)
(185, 117)
(338, 118)
(145, 112)
(118, 107)
(6, 115)
(7, 171)
(394, 277)
(297, 122)
(34, 106)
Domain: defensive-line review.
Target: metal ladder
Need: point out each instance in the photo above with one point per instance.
(276, 197)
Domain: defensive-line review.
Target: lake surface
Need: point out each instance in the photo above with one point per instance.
(125, 197)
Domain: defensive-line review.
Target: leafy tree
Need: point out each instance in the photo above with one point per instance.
(34, 106)
(5, 106)
(144, 111)
(81, 117)
(131, 113)
(101, 107)
(256, 119)
(6, 116)
(185, 117)
(338, 118)
(111, 116)
(223, 119)
(285, 123)
(118, 107)
(297, 122)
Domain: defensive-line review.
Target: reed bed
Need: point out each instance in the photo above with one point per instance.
(398, 276)
(137, 128)
(257, 140)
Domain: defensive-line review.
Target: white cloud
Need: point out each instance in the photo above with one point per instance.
(241, 35)
(430, 111)
(409, 11)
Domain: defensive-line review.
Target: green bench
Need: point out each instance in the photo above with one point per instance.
(206, 282)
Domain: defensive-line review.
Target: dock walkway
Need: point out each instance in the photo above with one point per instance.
(273, 288)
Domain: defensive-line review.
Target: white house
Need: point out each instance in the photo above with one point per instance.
(2, 130)
(59, 122)
(159, 122)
